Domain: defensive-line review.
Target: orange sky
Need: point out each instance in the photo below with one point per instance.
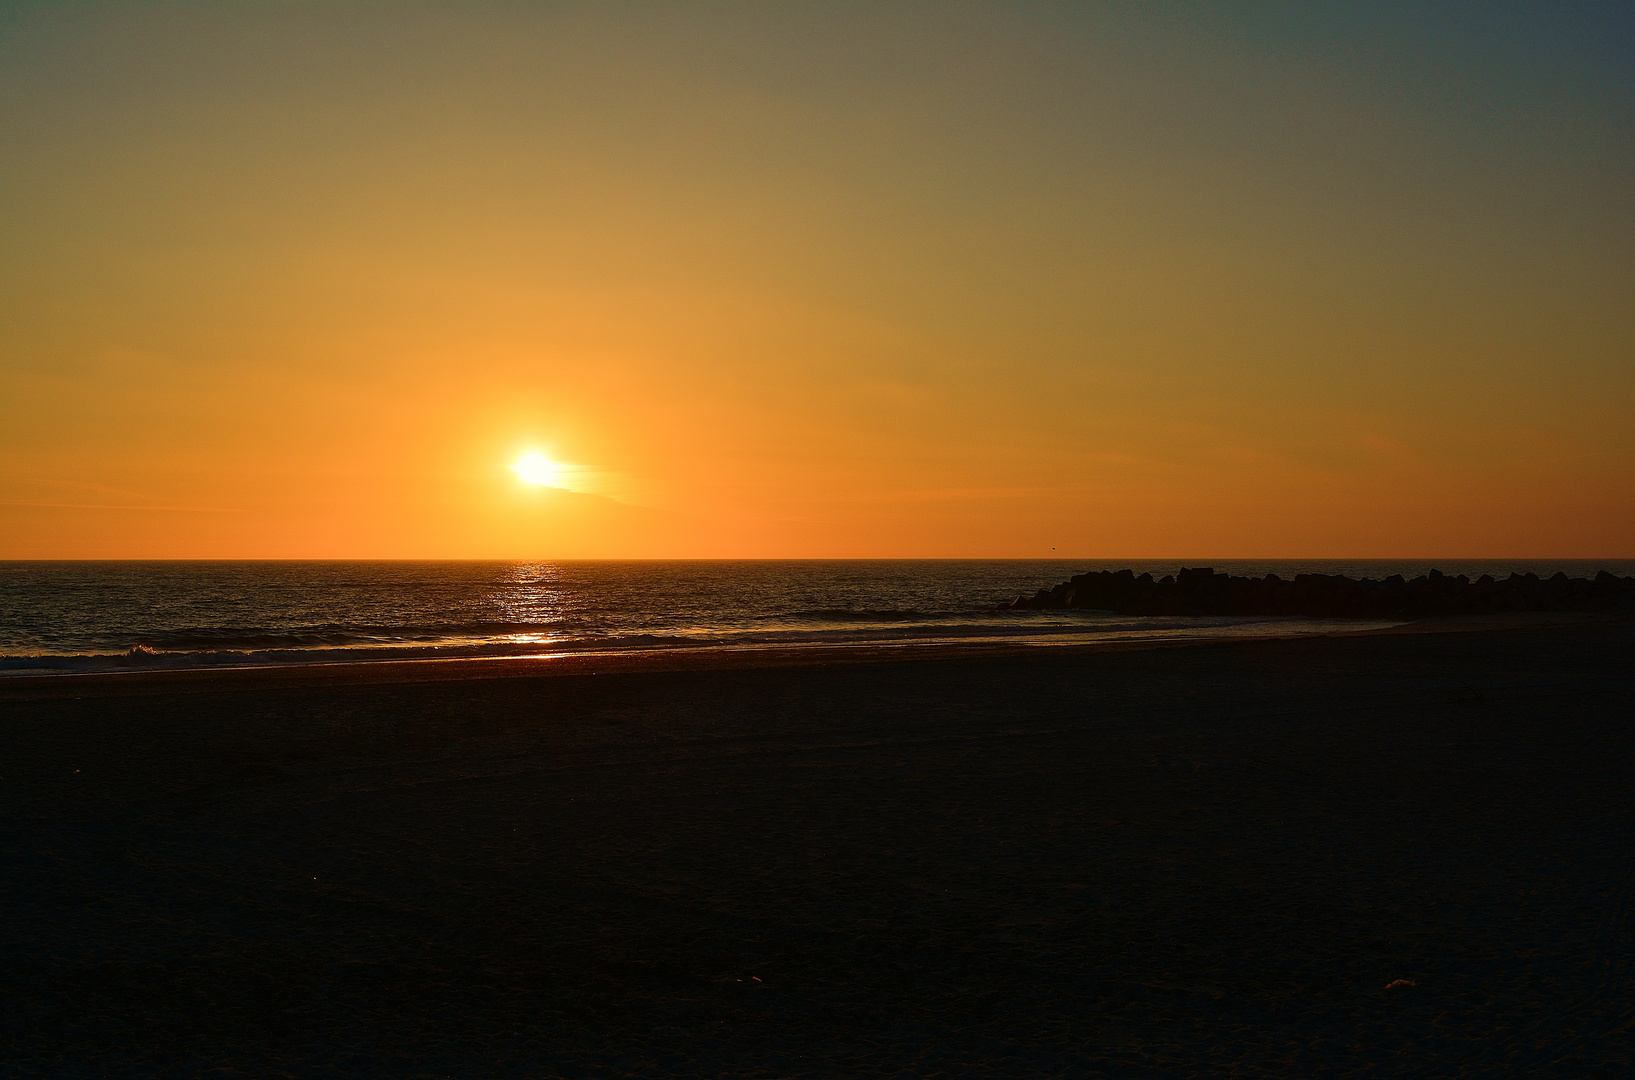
(301, 280)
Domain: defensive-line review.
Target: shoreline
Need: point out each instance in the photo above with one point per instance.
(46, 685)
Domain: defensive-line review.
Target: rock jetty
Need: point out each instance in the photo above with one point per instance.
(1201, 591)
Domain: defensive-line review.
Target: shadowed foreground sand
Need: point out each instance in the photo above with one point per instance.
(1203, 861)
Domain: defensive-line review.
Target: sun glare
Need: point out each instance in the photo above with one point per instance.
(536, 469)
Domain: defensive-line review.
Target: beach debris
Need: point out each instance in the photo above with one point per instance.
(1398, 984)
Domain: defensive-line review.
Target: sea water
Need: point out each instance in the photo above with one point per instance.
(86, 616)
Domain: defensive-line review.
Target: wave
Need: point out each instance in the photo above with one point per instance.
(238, 648)
(147, 658)
(487, 633)
(906, 615)
(337, 635)
(853, 615)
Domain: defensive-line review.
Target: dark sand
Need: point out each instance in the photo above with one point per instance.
(1204, 861)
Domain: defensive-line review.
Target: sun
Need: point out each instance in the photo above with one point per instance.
(536, 469)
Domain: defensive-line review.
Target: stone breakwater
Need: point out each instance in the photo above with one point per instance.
(1201, 591)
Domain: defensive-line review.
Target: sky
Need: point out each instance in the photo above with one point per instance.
(309, 280)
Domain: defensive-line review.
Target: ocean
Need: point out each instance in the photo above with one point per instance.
(62, 617)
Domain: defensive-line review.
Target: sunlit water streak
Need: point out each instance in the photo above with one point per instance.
(79, 616)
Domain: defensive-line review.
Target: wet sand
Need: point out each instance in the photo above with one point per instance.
(1199, 861)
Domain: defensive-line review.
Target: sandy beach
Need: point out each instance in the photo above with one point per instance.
(1384, 855)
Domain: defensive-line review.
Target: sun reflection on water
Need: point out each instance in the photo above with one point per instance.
(532, 597)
